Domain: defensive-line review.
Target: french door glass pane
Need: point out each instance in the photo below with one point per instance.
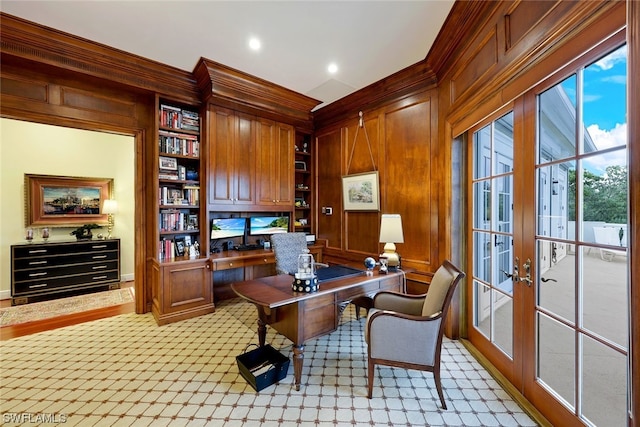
(556, 357)
(557, 121)
(605, 85)
(604, 385)
(557, 284)
(556, 200)
(482, 204)
(604, 296)
(482, 308)
(482, 150)
(503, 324)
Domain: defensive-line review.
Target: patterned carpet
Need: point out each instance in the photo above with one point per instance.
(128, 371)
(58, 307)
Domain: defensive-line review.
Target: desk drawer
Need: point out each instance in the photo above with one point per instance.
(226, 264)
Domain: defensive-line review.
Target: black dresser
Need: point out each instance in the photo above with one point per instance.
(41, 271)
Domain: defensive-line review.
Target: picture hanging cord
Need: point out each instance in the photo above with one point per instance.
(355, 138)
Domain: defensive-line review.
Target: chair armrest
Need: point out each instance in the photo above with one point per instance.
(399, 302)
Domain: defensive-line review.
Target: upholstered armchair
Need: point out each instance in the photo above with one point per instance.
(406, 330)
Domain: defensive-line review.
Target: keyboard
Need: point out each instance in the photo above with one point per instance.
(251, 247)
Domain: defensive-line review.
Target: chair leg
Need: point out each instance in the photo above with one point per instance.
(436, 377)
(357, 312)
(370, 370)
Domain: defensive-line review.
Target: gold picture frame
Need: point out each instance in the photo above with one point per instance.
(361, 192)
(64, 201)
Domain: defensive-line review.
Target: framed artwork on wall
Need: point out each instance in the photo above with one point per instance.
(360, 192)
(64, 201)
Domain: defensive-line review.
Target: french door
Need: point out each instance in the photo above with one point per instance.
(548, 295)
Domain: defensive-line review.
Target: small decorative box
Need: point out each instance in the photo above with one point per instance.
(309, 284)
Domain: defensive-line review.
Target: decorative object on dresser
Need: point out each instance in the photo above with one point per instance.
(110, 207)
(50, 270)
(64, 201)
(84, 231)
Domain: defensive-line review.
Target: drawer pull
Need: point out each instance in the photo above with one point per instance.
(99, 256)
(98, 246)
(38, 251)
(230, 264)
(99, 267)
(42, 285)
(265, 260)
(99, 277)
(38, 274)
(37, 262)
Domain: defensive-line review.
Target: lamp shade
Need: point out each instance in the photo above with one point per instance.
(110, 206)
(391, 229)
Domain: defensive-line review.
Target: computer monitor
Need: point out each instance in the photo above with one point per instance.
(224, 228)
(259, 225)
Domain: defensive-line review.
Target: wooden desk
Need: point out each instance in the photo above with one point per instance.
(303, 316)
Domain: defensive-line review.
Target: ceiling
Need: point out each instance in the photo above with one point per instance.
(367, 40)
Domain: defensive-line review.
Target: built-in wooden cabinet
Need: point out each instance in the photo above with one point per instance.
(180, 270)
(181, 290)
(274, 170)
(231, 159)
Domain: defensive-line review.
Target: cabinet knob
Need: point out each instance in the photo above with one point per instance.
(230, 264)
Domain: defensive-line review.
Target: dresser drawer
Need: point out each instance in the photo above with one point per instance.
(45, 285)
(228, 264)
(38, 250)
(59, 260)
(64, 270)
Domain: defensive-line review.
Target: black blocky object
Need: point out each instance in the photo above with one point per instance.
(253, 366)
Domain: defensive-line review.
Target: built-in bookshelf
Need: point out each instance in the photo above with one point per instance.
(178, 180)
(303, 184)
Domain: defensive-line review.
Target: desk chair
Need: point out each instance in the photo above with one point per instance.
(287, 247)
(406, 330)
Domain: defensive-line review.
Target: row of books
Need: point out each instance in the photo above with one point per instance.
(189, 195)
(178, 118)
(175, 143)
(180, 174)
(175, 220)
(176, 247)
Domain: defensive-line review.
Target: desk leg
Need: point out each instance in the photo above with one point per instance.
(298, 359)
(262, 326)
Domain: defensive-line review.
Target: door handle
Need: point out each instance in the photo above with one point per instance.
(513, 276)
(543, 279)
(527, 269)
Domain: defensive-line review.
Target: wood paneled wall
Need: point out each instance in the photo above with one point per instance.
(397, 141)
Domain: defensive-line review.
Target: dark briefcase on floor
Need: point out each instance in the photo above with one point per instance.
(262, 366)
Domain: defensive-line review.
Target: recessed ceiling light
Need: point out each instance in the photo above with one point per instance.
(254, 43)
(333, 68)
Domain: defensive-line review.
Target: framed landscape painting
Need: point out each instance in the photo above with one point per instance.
(64, 201)
(360, 192)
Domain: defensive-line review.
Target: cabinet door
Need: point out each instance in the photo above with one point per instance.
(274, 185)
(186, 287)
(221, 156)
(284, 165)
(244, 149)
(232, 154)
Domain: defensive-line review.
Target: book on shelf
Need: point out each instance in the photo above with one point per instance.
(178, 118)
(177, 143)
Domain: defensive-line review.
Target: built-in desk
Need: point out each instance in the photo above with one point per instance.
(237, 266)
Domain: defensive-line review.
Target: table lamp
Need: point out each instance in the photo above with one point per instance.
(110, 207)
(390, 234)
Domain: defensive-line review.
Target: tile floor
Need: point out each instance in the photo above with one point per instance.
(127, 371)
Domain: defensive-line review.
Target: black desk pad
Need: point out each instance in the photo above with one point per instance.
(336, 272)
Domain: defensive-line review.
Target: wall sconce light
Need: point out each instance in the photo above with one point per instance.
(110, 207)
(390, 234)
